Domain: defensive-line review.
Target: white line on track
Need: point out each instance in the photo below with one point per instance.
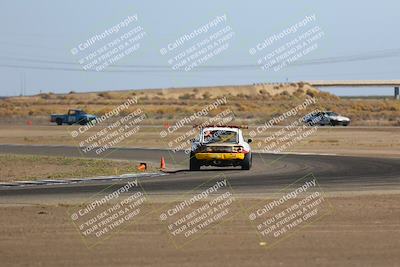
(80, 180)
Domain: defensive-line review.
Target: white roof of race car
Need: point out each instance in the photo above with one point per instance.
(233, 128)
(220, 129)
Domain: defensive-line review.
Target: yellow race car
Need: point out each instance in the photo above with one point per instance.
(220, 146)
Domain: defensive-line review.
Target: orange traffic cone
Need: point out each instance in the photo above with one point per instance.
(162, 163)
(142, 167)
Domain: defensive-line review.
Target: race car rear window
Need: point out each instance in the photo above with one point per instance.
(220, 136)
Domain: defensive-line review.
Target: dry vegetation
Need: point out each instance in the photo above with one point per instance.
(253, 103)
(33, 167)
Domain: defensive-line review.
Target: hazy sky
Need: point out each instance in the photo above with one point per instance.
(360, 41)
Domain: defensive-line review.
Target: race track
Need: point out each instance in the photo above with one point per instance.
(269, 173)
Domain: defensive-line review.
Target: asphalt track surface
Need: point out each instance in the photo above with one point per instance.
(270, 172)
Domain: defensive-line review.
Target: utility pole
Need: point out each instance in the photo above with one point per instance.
(22, 84)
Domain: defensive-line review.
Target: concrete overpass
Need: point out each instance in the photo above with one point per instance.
(360, 83)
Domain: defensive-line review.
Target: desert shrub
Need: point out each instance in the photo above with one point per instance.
(143, 98)
(299, 92)
(160, 111)
(310, 92)
(241, 95)
(105, 95)
(186, 96)
(241, 107)
(285, 93)
(206, 95)
(46, 96)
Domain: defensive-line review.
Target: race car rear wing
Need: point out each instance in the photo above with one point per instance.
(221, 126)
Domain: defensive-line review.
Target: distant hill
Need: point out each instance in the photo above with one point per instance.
(251, 103)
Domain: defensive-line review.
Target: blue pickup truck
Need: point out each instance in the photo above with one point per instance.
(73, 116)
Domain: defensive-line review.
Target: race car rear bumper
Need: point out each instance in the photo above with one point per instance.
(219, 156)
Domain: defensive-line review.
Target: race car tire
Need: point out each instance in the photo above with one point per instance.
(246, 164)
(194, 164)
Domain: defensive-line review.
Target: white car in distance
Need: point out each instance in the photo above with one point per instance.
(326, 118)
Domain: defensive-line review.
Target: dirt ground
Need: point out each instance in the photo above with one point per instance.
(354, 141)
(35, 167)
(362, 230)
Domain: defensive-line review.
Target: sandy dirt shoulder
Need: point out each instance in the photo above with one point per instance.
(363, 230)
